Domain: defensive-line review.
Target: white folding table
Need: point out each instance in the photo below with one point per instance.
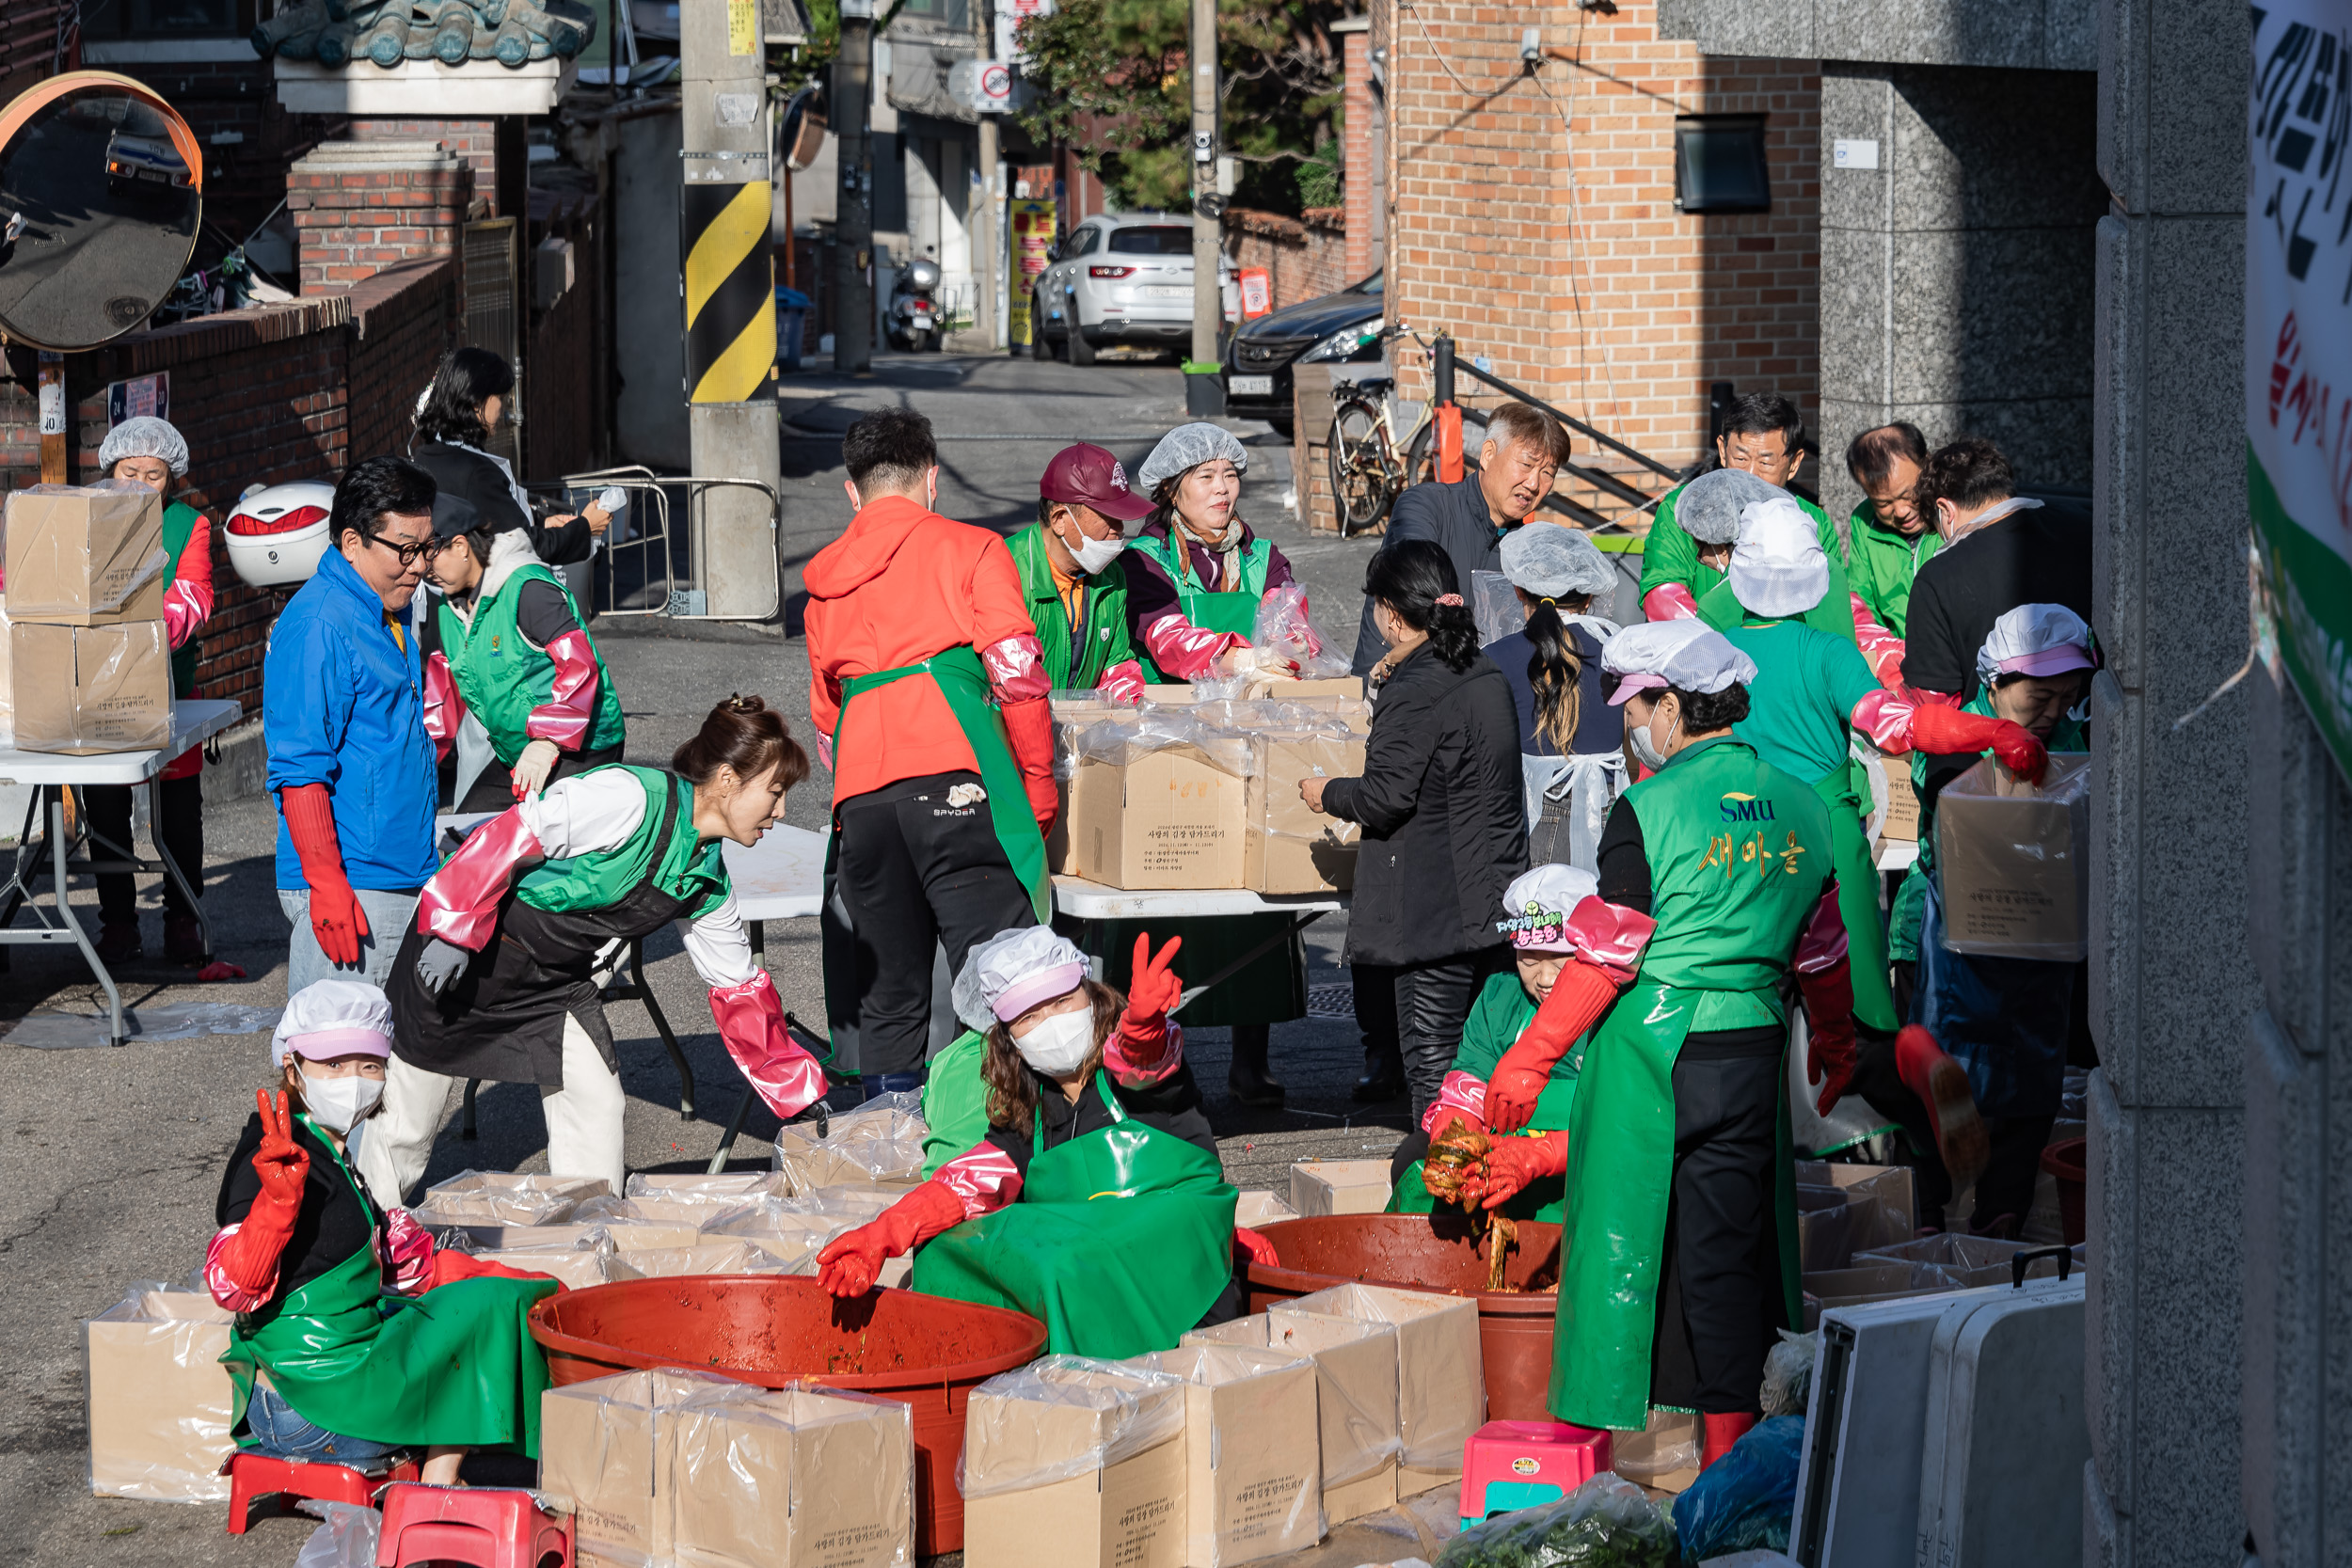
(50, 774)
(1089, 902)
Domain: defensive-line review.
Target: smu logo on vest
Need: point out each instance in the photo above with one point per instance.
(1735, 807)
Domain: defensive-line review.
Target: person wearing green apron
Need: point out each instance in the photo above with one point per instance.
(1997, 1027)
(931, 695)
(511, 651)
(1538, 910)
(1095, 1200)
(1889, 536)
(1195, 579)
(1716, 882)
(1070, 573)
(1693, 524)
(501, 973)
(355, 1337)
(148, 451)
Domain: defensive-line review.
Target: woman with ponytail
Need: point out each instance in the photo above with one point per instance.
(500, 976)
(1571, 746)
(1444, 831)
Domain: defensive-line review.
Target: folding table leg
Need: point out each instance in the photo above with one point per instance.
(662, 1026)
(734, 1128)
(65, 914)
(171, 867)
(466, 1126)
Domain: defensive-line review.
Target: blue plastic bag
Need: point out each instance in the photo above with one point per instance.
(1744, 1499)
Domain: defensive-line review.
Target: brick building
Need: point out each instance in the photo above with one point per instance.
(1532, 210)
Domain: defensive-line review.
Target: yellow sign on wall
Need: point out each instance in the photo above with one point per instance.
(742, 26)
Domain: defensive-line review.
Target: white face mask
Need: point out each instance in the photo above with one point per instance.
(338, 1104)
(1645, 749)
(1095, 555)
(1060, 1045)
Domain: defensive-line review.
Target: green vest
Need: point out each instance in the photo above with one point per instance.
(180, 520)
(1501, 1011)
(1881, 565)
(1236, 611)
(688, 870)
(1669, 554)
(502, 677)
(1076, 664)
(1739, 853)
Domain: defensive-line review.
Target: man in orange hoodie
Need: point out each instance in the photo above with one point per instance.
(929, 691)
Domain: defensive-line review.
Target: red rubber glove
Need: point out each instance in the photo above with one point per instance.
(450, 1266)
(336, 918)
(248, 1259)
(1152, 990)
(851, 1261)
(1258, 1248)
(1948, 732)
(1029, 730)
(1512, 1163)
(1578, 997)
(1829, 1007)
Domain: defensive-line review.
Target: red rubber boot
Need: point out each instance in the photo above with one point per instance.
(1942, 1083)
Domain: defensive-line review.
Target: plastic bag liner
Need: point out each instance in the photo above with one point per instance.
(1668, 1443)
(55, 1031)
(1250, 1443)
(791, 1478)
(509, 1197)
(697, 1187)
(730, 1255)
(1285, 641)
(1742, 1502)
(1060, 1417)
(1789, 1373)
(160, 1402)
(880, 1141)
(63, 558)
(1495, 606)
(347, 1540)
(1606, 1522)
(1442, 1391)
(1161, 729)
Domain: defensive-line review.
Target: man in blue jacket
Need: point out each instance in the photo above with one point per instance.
(342, 712)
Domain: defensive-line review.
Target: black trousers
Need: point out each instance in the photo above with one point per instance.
(180, 830)
(1718, 1296)
(1374, 985)
(916, 872)
(1433, 1001)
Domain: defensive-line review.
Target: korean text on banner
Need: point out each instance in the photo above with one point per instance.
(2299, 347)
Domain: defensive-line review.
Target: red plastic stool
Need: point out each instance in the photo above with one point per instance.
(487, 1525)
(255, 1475)
(1507, 1465)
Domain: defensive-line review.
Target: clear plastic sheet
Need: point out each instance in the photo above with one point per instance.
(1060, 1417)
(730, 1255)
(1255, 1479)
(577, 1267)
(1356, 1366)
(880, 1141)
(798, 1476)
(1789, 1373)
(693, 1210)
(1286, 643)
(1882, 1197)
(1495, 606)
(2014, 862)
(160, 1402)
(1161, 729)
(695, 1186)
(55, 1031)
(1668, 1443)
(508, 1198)
(347, 1540)
(1606, 1522)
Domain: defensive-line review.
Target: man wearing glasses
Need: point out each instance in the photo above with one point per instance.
(342, 711)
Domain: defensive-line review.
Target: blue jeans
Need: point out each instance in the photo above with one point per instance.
(278, 1431)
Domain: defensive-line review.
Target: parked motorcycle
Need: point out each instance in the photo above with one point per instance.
(913, 320)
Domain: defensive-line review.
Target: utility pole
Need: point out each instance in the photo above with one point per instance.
(726, 196)
(1204, 382)
(984, 235)
(854, 220)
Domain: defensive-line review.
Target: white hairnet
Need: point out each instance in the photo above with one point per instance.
(1686, 654)
(2036, 640)
(1018, 970)
(1778, 567)
(1552, 561)
(144, 436)
(333, 1018)
(1187, 446)
(1709, 507)
(1539, 903)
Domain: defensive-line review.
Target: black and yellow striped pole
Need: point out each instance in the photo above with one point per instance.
(730, 292)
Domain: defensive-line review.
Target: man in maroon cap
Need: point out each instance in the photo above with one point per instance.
(1071, 575)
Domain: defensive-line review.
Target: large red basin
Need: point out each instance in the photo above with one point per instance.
(1437, 1253)
(926, 1351)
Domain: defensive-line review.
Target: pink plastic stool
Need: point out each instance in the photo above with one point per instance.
(487, 1525)
(1507, 1465)
(255, 1475)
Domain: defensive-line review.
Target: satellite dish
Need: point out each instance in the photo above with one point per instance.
(101, 193)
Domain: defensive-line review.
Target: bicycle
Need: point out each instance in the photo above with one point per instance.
(1367, 471)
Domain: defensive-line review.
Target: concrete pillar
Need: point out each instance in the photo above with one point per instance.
(1956, 275)
(2173, 977)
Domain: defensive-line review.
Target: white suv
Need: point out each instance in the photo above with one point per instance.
(1122, 277)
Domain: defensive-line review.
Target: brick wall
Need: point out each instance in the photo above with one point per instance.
(266, 395)
(358, 209)
(1361, 180)
(1305, 259)
(1558, 252)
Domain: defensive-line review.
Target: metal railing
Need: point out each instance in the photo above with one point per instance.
(1445, 363)
(642, 573)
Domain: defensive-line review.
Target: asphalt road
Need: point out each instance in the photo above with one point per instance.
(111, 1157)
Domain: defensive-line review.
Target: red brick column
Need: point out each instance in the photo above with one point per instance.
(1363, 180)
(359, 207)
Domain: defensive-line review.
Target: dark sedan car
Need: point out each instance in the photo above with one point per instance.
(1258, 358)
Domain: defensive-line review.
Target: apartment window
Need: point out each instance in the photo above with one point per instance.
(1719, 164)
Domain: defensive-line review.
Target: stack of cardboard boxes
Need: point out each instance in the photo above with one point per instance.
(88, 668)
(1225, 814)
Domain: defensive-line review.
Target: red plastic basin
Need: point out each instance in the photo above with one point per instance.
(1437, 1253)
(2067, 1159)
(926, 1351)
